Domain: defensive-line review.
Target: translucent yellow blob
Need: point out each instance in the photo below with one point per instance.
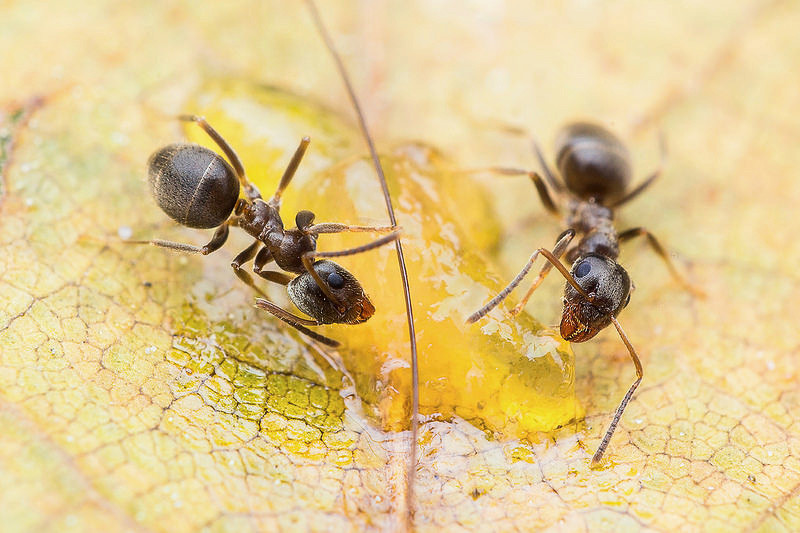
(509, 376)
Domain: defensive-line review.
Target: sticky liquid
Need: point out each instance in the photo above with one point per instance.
(509, 376)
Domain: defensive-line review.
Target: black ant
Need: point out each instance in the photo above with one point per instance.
(595, 167)
(197, 188)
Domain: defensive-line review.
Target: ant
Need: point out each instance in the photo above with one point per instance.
(596, 170)
(197, 188)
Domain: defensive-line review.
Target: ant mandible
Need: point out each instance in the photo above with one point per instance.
(197, 188)
(595, 167)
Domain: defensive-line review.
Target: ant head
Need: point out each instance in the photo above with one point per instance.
(303, 219)
(309, 298)
(609, 287)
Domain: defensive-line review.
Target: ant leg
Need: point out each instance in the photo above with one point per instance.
(216, 242)
(662, 143)
(250, 190)
(288, 174)
(558, 250)
(333, 227)
(598, 455)
(244, 256)
(276, 277)
(296, 322)
(549, 174)
(309, 256)
(657, 248)
(263, 258)
(541, 188)
(480, 313)
(377, 243)
(518, 131)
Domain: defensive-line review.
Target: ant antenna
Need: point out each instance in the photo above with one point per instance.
(412, 463)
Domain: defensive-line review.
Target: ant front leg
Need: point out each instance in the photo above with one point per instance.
(561, 245)
(216, 242)
(276, 277)
(308, 262)
(598, 455)
(262, 259)
(662, 253)
(295, 321)
(558, 250)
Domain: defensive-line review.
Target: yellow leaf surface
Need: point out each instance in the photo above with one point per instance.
(140, 390)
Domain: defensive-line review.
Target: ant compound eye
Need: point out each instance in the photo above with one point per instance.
(335, 280)
(583, 269)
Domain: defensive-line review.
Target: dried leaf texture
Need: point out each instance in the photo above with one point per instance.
(139, 390)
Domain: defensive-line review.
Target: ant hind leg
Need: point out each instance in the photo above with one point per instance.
(233, 157)
(548, 173)
(334, 227)
(541, 188)
(662, 144)
(216, 242)
(662, 253)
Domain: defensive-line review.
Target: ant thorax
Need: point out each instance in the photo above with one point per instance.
(262, 221)
(594, 223)
(259, 219)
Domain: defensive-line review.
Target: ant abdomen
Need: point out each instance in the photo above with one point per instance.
(193, 185)
(593, 162)
(309, 298)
